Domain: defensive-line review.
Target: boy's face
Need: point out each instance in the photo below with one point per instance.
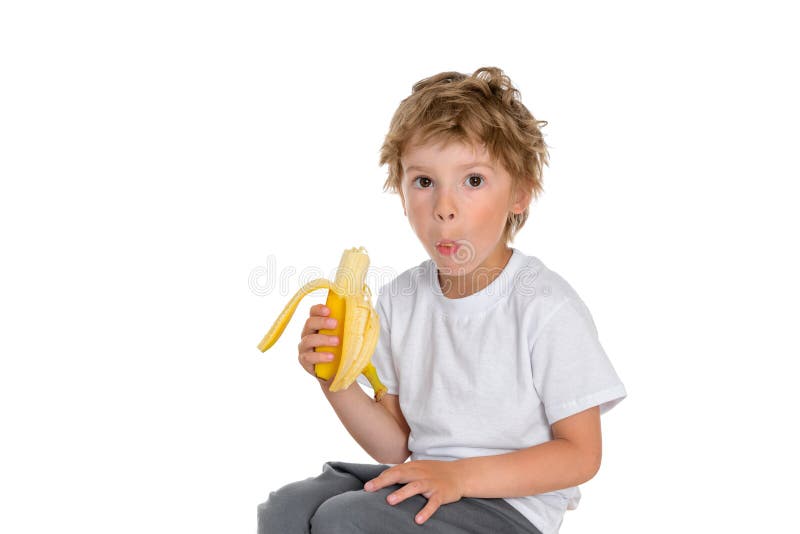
(456, 192)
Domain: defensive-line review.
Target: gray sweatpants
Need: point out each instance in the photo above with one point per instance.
(335, 503)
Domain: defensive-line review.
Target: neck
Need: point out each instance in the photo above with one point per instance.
(456, 287)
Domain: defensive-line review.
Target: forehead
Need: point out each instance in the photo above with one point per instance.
(417, 153)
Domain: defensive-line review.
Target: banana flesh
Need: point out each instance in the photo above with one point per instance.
(358, 325)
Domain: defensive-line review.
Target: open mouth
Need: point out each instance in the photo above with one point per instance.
(447, 248)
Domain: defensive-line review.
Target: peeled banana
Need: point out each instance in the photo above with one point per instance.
(357, 323)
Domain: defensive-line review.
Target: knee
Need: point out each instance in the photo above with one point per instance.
(270, 518)
(279, 512)
(329, 517)
(338, 514)
(353, 512)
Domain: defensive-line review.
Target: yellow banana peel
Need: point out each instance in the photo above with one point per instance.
(357, 324)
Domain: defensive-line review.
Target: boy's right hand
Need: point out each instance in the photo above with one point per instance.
(310, 338)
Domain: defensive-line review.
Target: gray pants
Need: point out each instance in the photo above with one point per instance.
(335, 503)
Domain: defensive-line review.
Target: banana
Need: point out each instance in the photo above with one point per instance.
(357, 323)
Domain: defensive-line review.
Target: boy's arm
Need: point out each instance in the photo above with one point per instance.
(570, 459)
(379, 428)
(392, 404)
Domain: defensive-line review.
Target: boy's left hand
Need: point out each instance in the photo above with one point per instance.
(438, 481)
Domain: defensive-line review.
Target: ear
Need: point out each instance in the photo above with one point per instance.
(403, 202)
(521, 200)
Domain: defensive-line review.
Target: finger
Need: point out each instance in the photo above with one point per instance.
(317, 310)
(313, 341)
(409, 490)
(315, 324)
(318, 323)
(387, 478)
(309, 359)
(427, 511)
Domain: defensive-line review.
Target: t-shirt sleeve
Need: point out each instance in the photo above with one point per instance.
(571, 371)
(382, 357)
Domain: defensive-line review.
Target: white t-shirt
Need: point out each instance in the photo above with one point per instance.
(489, 373)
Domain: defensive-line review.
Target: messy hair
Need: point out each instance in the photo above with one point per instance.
(481, 109)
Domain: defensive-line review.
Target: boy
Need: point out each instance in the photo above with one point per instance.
(496, 378)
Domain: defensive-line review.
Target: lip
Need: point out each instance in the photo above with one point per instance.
(447, 247)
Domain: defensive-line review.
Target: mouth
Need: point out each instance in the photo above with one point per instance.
(446, 247)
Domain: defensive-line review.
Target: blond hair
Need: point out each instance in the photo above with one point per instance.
(483, 108)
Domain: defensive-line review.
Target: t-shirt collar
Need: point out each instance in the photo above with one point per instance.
(499, 288)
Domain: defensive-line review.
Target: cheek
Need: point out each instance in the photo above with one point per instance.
(487, 216)
(416, 204)
(414, 209)
(486, 224)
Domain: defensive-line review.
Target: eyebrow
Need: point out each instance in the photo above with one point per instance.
(465, 166)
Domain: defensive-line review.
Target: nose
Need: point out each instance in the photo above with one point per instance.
(445, 208)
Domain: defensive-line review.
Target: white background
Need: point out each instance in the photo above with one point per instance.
(155, 154)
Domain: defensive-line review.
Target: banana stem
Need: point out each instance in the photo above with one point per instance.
(372, 375)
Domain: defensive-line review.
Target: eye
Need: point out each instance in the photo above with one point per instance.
(420, 179)
(476, 180)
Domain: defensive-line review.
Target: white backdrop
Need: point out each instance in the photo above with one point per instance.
(157, 158)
